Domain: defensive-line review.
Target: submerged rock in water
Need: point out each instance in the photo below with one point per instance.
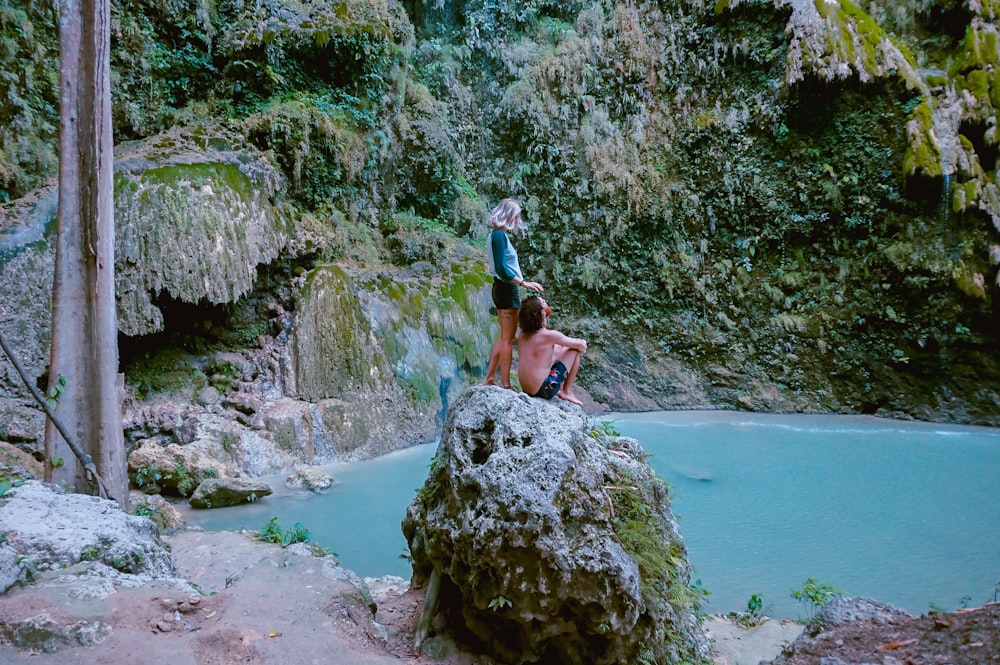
(553, 542)
(223, 492)
(310, 479)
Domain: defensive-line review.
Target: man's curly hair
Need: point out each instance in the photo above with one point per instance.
(531, 316)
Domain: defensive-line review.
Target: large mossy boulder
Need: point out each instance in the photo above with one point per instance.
(194, 218)
(551, 541)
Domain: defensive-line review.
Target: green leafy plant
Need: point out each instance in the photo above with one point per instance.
(753, 615)
(272, 532)
(90, 554)
(6, 484)
(54, 392)
(28, 567)
(143, 509)
(499, 603)
(814, 594)
(322, 550)
(148, 476)
(186, 483)
(599, 428)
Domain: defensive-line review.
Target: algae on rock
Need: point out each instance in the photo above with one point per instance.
(380, 354)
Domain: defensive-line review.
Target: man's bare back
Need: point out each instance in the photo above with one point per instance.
(540, 348)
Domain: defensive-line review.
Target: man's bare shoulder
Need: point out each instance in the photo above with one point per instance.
(543, 336)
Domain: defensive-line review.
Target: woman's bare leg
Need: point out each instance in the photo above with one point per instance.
(503, 350)
(508, 331)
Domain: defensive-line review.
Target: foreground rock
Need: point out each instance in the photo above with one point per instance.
(46, 529)
(552, 542)
(240, 601)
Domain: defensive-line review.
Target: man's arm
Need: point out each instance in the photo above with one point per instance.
(575, 343)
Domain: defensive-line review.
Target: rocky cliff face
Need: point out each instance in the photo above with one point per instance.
(358, 362)
(552, 542)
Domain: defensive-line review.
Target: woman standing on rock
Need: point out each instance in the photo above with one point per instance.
(507, 277)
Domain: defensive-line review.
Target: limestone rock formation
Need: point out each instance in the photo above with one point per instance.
(178, 205)
(222, 492)
(552, 541)
(163, 514)
(395, 350)
(47, 529)
(309, 478)
(153, 467)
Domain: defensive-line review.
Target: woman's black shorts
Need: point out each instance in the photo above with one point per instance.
(506, 295)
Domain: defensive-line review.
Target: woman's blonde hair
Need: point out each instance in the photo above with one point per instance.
(506, 216)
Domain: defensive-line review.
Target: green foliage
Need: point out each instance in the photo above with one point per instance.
(28, 568)
(318, 140)
(55, 391)
(186, 483)
(635, 524)
(272, 532)
(413, 239)
(601, 428)
(753, 615)
(222, 376)
(499, 603)
(29, 96)
(169, 371)
(148, 477)
(814, 594)
(144, 509)
(292, 45)
(151, 479)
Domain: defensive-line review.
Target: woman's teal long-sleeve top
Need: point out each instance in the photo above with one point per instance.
(503, 256)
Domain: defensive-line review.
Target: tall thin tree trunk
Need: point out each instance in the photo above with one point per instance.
(84, 322)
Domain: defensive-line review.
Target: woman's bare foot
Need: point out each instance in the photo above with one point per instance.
(507, 386)
(569, 397)
(489, 381)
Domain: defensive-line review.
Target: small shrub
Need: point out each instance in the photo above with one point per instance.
(273, 533)
(814, 594)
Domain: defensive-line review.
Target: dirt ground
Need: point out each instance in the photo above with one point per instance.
(964, 637)
(257, 604)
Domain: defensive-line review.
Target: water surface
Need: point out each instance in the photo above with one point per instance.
(903, 512)
(906, 513)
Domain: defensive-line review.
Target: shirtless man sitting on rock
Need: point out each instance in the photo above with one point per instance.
(547, 360)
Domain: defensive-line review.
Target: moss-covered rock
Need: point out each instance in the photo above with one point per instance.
(836, 40)
(923, 155)
(193, 221)
(531, 517)
(379, 349)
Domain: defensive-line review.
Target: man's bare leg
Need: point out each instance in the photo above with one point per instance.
(570, 358)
